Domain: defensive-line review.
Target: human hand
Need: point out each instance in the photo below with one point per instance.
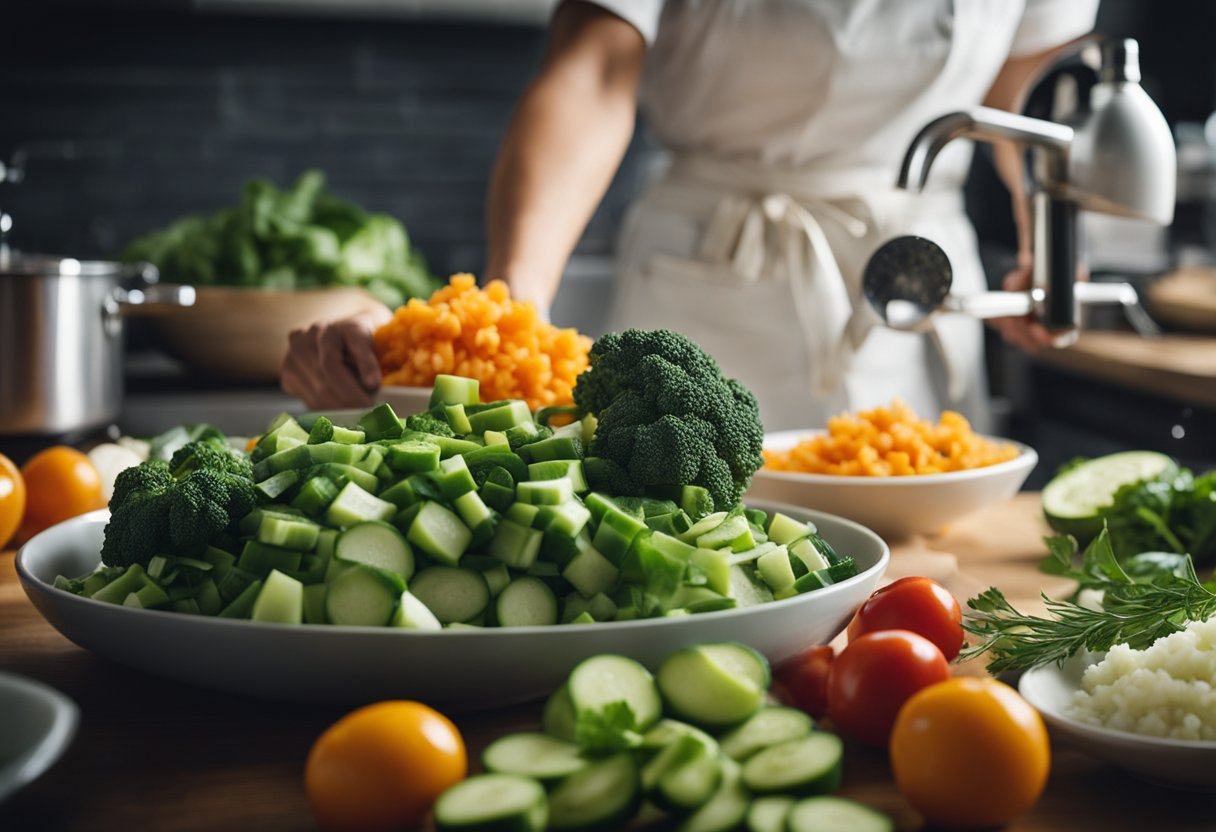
(1023, 331)
(332, 364)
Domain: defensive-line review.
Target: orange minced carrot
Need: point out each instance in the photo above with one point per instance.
(465, 330)
(891, 441)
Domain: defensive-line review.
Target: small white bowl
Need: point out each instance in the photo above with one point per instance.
(895, 507)
(37, 724)
(1186, 764)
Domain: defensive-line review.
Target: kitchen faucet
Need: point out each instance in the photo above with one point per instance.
(1113, 154)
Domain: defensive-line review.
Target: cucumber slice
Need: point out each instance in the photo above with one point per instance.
(380, 423)
(531, 754)
(768, 726)
(690, 783)
(714, 684)
(451, 593)
(558, 717)
(806, 766)
(768, 814)
(1073, 502)
(526, 602)
(363, 596)
(355, 505)
(724, 811)
(590, 572)
(602, 680)
(299, 535)
(412, 614)
(515, 545)
(437, 531)
(376, 544)
(545, 492)
(502, 417)
(492, 803)
(281, 600)
(414, 456)
(449, 389)
(314, 604)
(604, 795)
(835, 814)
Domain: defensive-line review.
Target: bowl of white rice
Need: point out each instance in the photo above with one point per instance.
(1151, 712)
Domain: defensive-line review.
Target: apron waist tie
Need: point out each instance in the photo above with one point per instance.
(766, 221)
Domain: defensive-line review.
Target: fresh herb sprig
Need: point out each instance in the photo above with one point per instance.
(1133, 612)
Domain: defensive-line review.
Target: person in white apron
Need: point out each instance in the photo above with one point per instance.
(787, 121)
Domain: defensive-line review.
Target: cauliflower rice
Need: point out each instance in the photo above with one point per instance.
(1166, 690)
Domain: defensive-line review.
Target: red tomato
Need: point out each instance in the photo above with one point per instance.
(874, 675)
(804, 680)
(920, 605)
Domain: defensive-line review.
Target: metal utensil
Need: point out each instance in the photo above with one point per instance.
(907, 281)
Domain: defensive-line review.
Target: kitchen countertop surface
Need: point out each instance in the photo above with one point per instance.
(1177, 366)
(158, 755)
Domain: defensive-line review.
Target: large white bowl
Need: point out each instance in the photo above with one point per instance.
(458, 669)
(895, 507)
(37, 723)
(1178, 763)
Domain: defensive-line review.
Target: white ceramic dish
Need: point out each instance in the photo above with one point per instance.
(459, 669)
(37, 724)
(1176, 763)
(895, 507)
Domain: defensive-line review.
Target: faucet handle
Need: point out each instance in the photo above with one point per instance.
(1089, 294)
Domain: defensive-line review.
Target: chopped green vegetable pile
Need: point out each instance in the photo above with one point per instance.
(471, 513)
(293, 239)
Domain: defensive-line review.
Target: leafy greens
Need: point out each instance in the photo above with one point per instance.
(1152, 595)
(301, 238)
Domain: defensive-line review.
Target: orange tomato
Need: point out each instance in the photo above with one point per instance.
(970, 752)
(12, 499)
(382, 766)
(60, 482)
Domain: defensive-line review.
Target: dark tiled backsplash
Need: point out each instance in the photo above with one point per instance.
(167, 114)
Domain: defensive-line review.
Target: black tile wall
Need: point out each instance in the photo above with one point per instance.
(133, 117)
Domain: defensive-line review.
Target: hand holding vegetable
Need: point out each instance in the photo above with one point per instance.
(332, 364)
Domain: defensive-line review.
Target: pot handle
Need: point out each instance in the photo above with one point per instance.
(131, 301)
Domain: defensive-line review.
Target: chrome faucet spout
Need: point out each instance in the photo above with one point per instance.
(986, 124)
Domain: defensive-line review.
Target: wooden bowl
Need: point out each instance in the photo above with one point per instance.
(241, 333)
(1185, 298)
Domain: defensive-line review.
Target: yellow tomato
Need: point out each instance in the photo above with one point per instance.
(382, 766)
(60, 482)
(969, 753)
(12, 499)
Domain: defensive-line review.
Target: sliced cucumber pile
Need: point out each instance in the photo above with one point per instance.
(1074, 501)
(377, 524)
(613, 751)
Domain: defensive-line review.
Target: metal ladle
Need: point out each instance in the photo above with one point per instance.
(907, 281)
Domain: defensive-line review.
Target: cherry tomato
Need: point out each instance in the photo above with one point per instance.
(875, 675)
(970, 752)
(382, 766)
(921, 605)
(803, 680)
(12, 499)
(60, 482)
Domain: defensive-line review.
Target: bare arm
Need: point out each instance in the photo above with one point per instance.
(564, 143)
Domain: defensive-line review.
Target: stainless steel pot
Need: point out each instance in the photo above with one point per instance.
(61, 346)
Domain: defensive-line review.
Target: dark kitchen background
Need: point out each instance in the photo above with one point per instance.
(133, 114)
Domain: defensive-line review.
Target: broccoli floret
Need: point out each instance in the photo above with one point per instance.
(180, 506)
(209, 455)
(151, 477)
(667, 417)
(428, 422)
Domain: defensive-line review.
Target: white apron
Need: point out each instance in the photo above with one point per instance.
(763, 270)
(788, 120)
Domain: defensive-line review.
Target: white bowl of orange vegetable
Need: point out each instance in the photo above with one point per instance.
(891, 471)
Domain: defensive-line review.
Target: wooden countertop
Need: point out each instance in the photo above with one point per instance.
(152, 754)
(1179, 367)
